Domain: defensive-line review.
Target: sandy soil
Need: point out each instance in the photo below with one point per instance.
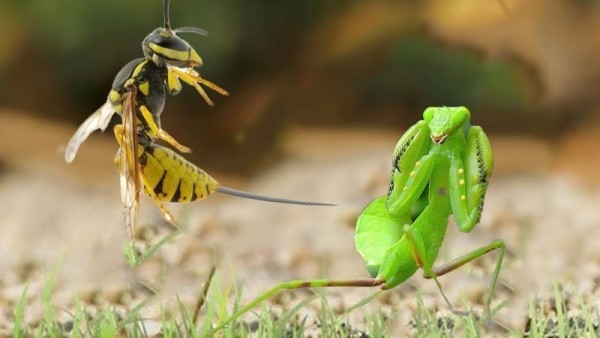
(70, 216)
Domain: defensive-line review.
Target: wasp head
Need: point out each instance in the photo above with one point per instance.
(164, 47)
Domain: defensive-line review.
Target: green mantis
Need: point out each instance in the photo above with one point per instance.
(441, 167)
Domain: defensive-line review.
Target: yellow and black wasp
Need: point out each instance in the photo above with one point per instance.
(138, 95)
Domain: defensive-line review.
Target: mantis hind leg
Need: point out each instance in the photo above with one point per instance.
(298, 284)
(460, 261)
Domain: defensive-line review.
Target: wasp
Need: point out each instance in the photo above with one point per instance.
(138, 96)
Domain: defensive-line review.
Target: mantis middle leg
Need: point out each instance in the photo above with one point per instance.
(462, 260)
(415, 250)
(424, 257)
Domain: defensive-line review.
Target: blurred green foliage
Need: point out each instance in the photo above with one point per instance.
(80, 45)
(425, 72)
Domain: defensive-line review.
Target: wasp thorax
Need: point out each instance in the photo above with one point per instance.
(164, 47)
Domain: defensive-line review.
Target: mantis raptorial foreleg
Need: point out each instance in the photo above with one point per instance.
(410, 192)
(469, 176)
(411, 147)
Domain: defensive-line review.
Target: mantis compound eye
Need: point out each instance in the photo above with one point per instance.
(460, 116)
(428, 114)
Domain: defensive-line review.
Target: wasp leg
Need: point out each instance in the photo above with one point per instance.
(118, 130)
(166, 214)
(160, 133)
(194, 79)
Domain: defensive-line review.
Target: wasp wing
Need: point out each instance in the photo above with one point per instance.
(98, 120)
(129, 170)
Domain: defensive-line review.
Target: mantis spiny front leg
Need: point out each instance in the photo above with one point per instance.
(468, 184)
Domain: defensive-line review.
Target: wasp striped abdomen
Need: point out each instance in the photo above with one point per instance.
(172, 177)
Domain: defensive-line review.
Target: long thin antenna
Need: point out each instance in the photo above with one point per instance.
(166, 14)
(245, 194)
(195, 30)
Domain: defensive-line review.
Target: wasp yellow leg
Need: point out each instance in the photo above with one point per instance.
(160, 133)
(173, 83)
(211, 85)
(460, 261)
(419, 252)
(118, 130)
(194, 79)
(166, 214)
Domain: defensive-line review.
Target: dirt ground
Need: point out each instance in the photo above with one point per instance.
(542, 201)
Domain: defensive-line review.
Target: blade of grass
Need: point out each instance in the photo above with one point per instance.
(134, 259)
(19, 313)
(202, 296)
(363, 301)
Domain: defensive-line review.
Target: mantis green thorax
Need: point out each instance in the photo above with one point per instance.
(441, 167)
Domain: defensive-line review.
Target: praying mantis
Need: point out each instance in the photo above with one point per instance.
(441, 167)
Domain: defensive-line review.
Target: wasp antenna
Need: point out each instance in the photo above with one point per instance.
(166, 14)
(195, 30)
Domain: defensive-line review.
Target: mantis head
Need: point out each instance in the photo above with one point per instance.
(445, 121)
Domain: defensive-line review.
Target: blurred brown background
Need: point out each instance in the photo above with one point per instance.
(528, 68)
(320, 91)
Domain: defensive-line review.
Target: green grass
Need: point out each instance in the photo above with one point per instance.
(562, 316)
